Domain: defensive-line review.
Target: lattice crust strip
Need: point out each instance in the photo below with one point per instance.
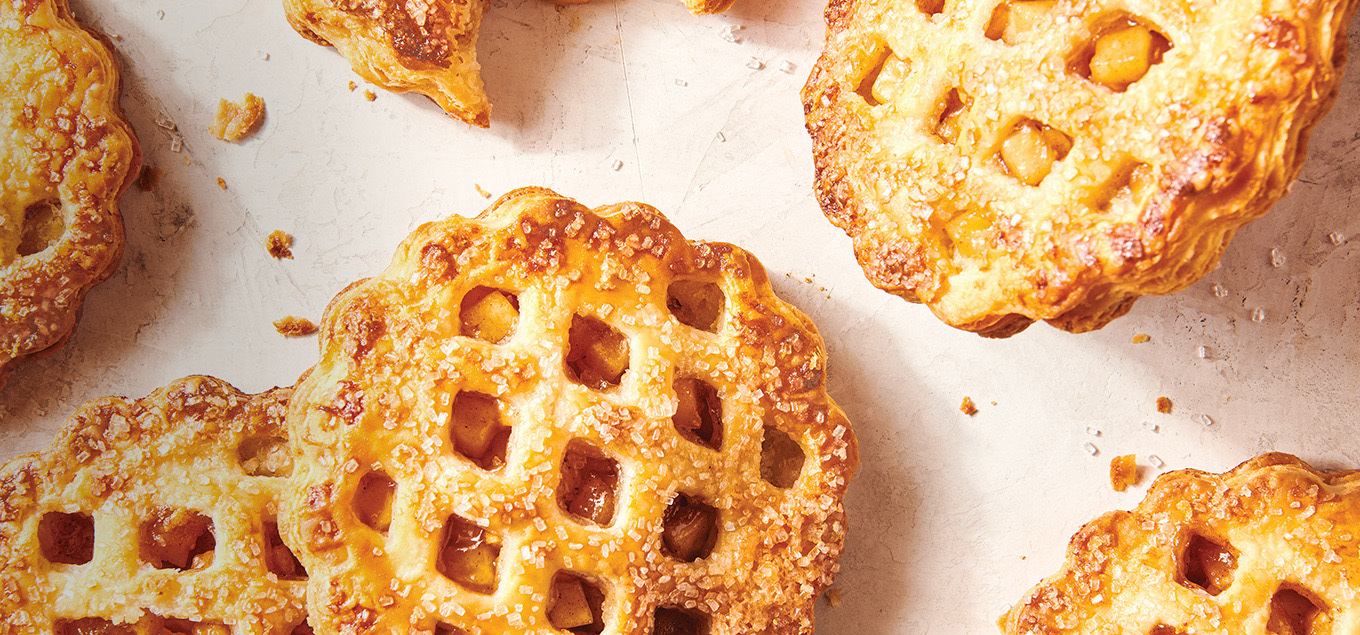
(1019, 160)
(553, 419)
(1268, 547)
(155, 515)
(68, 157)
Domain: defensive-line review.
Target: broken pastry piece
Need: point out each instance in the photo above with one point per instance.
(155, 515)
(556, 419)
(1008, 162)
(425, 46)
(234, 122)
(1266, 548)
(68, 157)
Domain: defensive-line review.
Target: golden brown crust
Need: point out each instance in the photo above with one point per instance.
(1157, 179)
(393, 361)
(69, 160)
(197, 445)
(1287, 530)
(426, 46)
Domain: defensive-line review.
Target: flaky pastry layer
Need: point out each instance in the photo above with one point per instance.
(913, 103)
(104, 532)
(1268, 547)
(382, 406)
(66, 159)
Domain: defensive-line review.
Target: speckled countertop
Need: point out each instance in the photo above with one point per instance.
(952, 517)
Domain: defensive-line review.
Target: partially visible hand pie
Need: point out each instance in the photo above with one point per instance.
(554, 419)
(1006, 161)
(1268, 547)
(67, 158)
(426, 46)
(153, 516)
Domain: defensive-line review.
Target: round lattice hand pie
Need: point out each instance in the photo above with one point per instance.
(1019, 160)
(153, 516)
(551, 419)
(67, 158)
(1269, 547)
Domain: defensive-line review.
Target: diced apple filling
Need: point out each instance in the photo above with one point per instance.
(569, 608)
(695, 303)
(971, 233)
(491, 317)
(178, 539)
(690, 529)
(468, 558)
(597, 354)
(781, 458)
(1122, 57)
(477, 431)
(587, 488)
(698, 414)
(1031, 149)
(373, 500)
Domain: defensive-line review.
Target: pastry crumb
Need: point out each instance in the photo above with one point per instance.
(293, 326)
(968, 407)
(234, 121)
(1141, 337)
(369, 95)
(187, 161)
(833, 597)
(483, 193)
(278, 244)
(1164, 405)
(149, 178)
(221, 182)
(353, 85)
(1123, 472)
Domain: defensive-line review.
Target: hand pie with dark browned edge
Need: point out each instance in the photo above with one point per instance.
(1268, 547)
(1019, 160)
(153, 516)
(426, 46)
(67, 158)
(554, 419)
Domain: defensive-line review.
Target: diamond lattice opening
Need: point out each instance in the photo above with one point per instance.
(949, 123)
(448, 629)
(305, 628)
(373, 500)
(576, 604)
(883, 77)
(1207, 564)
(178, 539)
(477, 429)
(696, 303)
(689, 528)
(1163, 629)
(489, 314)
(1294, 611)
(1011, 21)
(781, 458)
(66, 538)
(266, 456)
(468, 556)
(930, 7)
(589, 486)
(91, 626)
(1122, 51)
(188, 627)
(1029, 150)
(673, 620)
(278, 558)
(698, 414)
(597, 354)
(43, 227)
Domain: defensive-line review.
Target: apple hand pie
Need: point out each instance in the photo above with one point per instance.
(153, 516)
(426, 46)
(1019, 160)
(1268, 547)
(67, 158)
(554, 419)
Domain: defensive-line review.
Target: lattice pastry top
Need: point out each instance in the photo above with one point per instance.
(157, 515)
(1269, 547)
(426, 46)
(65, 162)
(553, 419)
(1019, 160)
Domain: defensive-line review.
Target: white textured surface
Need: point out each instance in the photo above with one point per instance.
(952, 517)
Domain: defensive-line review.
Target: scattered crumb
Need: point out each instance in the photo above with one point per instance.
(1141, 337)
(149, 178)
(353, 85)
(368, 94)
(1164, 405)
(278, 244)
(1123, 472)
(482, 192)
(187, 161)
(293, 326)
(967, 407)
(221, 182)
(833, 597)
(236, 121)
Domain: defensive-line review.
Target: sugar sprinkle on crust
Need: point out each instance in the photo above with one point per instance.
(386, 483)
(77, 521)
(991, 161)
(70, 159)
